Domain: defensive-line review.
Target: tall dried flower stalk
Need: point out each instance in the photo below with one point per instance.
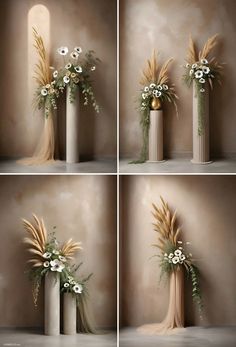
(193, 56)
(42, 71)
(69, 248)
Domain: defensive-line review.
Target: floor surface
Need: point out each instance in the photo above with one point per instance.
(179, 166)
(190, 337)
(23, 338)
(96, 166)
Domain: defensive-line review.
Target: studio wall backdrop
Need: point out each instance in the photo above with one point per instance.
(166, 26)
(82, 208)
(206, 213)
(62, 23)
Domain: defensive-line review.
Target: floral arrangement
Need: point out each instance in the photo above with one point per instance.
(156, 90)
(75, 73)
(202, 70)
(173, 253)
(46, 92)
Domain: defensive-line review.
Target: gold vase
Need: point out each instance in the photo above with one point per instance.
(155, 103)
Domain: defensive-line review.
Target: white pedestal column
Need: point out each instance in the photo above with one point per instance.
(52, 304)
(69, 314)
(72, 128)
(155, 149)
(201, 146)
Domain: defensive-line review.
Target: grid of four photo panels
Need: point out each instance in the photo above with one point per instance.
(117, 173)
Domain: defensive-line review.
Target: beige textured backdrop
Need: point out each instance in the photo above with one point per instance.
(206, 209)
(166, 25)
(91, 24)
(83, 208)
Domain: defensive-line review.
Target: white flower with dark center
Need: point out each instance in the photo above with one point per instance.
(159, 87)
(144, 96)
(78, 288)
(159, 94)
(66, 285)
(165, 87)
(198, 74)
(74, 55)
(44, 91)
(187, 65)
(73, 75)
(191, 72)
(47, 255)
(202, 80)
(57, 265)
(66, 79)
(206, 69)
(61, 258)
(68, 66)
(204, 61)
(194, 66)
(78, 69)
(46, 264)
(55, 252)
(146, 89)
(47, 86)
(171, 255)
(78, 49)
(62, 50)
(182, 257)
(152, 85)
(55, 74)
(93, 68)
(175, 260)
(178, 252)
(202, 90)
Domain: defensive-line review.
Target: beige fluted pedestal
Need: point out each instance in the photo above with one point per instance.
(155, 145)
(174, 319)
(72, 128)
(52, 304)
(69, 314)
(201, 146)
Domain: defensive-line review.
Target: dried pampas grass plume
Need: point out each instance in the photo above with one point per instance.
(208, 47)
(191, 54)
(42, 71)
(69, 248)
(165, 225)
(36, 241)
(151, 70)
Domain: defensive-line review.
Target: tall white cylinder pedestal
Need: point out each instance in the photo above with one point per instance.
(155, 148)
(201, 146)
(72, 128)
(52, 304)
(69, 314)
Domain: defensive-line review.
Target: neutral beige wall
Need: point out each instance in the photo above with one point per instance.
(206, 210)
(89, 23)
(83, 208)
(166, 25)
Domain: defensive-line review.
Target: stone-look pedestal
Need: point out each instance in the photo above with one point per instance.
(155, 151)
(72, 128)
(69, 314)
(52, 304)
(201, 147)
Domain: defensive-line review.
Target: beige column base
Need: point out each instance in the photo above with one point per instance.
(52, 304)
(155, 151)
(69, 314)
(201, 147)
(72, 128)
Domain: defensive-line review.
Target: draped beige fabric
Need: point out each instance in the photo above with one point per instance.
(45, 151)
(175, 314)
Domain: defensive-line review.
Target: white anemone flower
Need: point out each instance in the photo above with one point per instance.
(47, 255)
(202, 90)
(74, 55)
(78, 288)
(144, 96)
(152, 85)
(78, 49)
(202, 80)
(171, 255)
(68, 66)
(191, 72)
(66, 285)
(66, 79)
(194, 66)
(93, 68)
(187, 65)
(62, 50)
(178, 252)
(44, 91)
(165, 87)
(198, 74)
(146, 89)
(61, 258)
(175, 260)
(159, 94)
(204, 61)
(57, 265)
(206, 69)
(78, 69)
(46, 264)
(159, 87)
(55, 74)
(182, 257)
